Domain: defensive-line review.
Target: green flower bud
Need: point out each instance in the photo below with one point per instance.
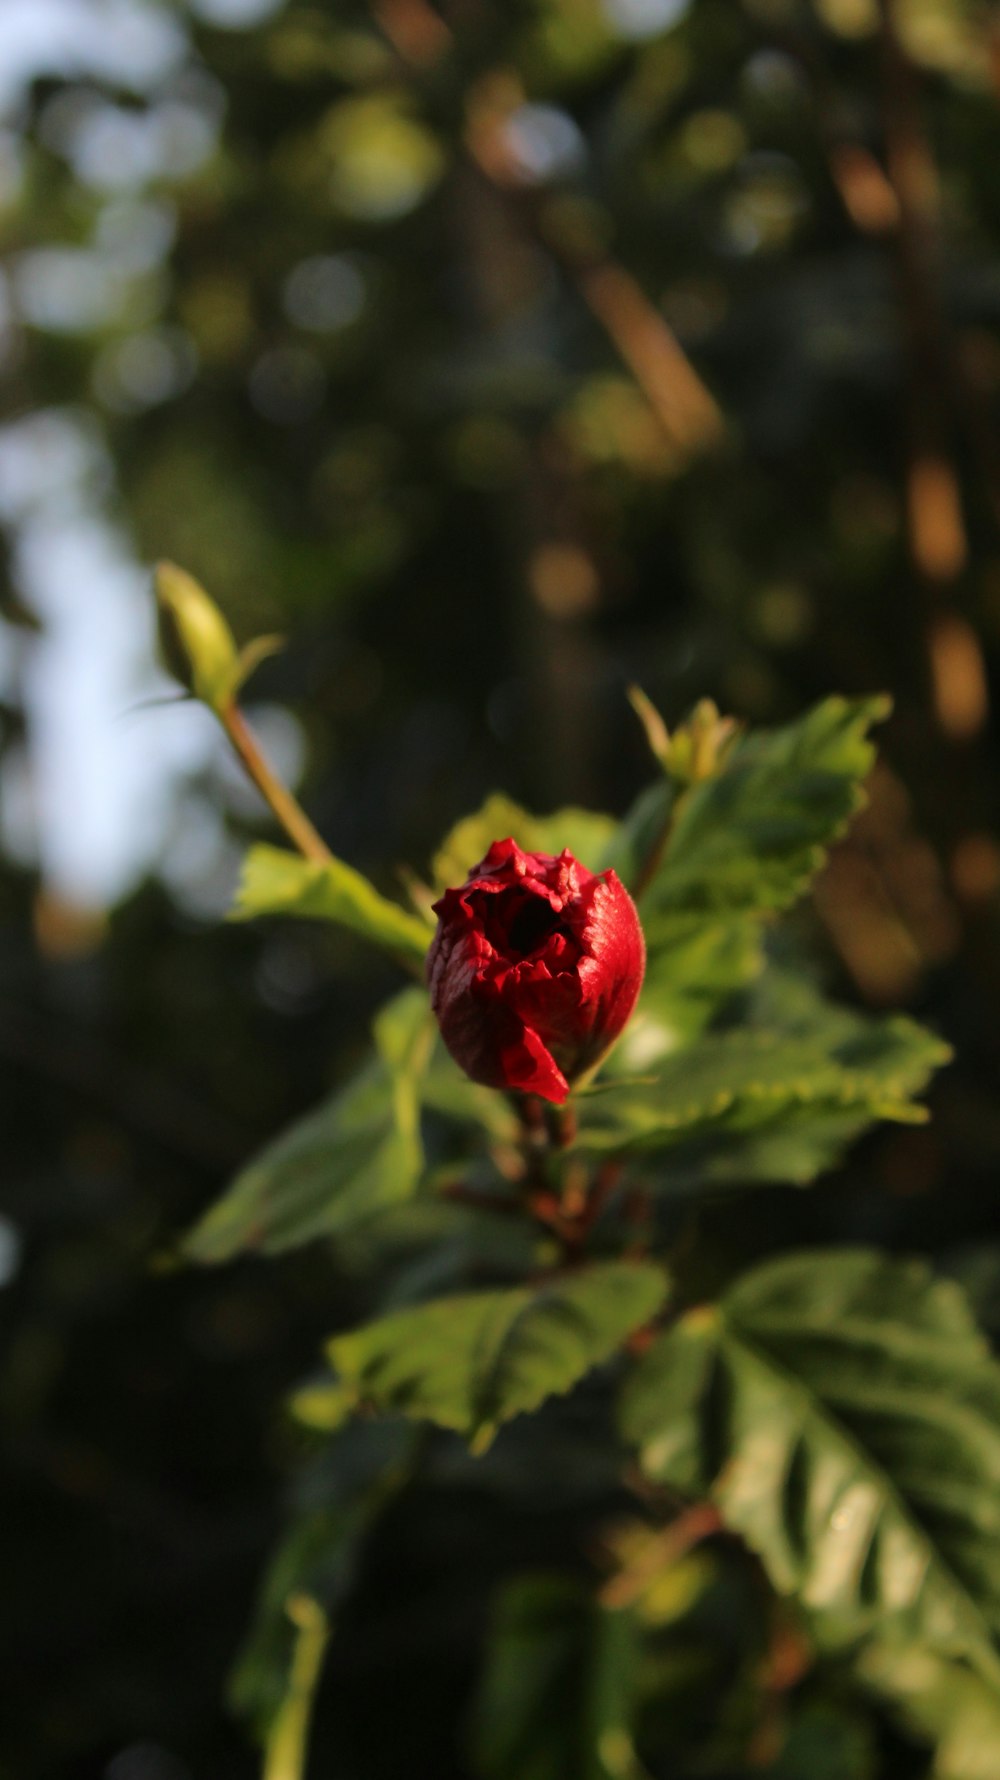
(198, 645)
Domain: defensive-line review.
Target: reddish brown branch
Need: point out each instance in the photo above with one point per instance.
(701, 1521)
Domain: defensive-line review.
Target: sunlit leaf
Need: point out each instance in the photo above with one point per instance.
(943, 1702)
(586, 833)
(751, 835)
(278, 882)
(199, 646)
(769, 1104)
(843, 1412)
(695, 970)
(472, 1362)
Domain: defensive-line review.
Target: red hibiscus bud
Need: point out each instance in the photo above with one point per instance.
(534, 969)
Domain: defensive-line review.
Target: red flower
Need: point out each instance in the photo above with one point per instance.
(534, 969)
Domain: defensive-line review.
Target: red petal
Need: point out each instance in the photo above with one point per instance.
(530, 1067)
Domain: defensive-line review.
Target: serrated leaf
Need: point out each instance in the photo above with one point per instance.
(843, 1412)
(757, 1094)
(357, 1154)
(586, 833)
(796, 1147)
(556, 1699)
(472, 1362)
(277, 882)
(752, 835)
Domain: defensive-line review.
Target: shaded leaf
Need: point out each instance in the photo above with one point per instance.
(641, 834)
(844, 1414)
(556, 1699)
(316, 1558)
(827, 1742)
(357, 1154)
(472, 1362)
(278, 882)
(447, 1090)
(796, 1147)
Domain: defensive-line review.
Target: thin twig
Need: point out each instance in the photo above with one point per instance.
(687, 411)
(460, 1194)
(417, 33)
(282, 804)
(701, 1521)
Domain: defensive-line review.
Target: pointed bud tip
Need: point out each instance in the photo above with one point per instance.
(198, 645)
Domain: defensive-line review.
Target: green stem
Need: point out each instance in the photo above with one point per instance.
(289, 813)
(287, 1746)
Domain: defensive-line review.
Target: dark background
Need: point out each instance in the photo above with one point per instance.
(497, 355)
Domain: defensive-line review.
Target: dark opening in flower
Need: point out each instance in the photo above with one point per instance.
(534, 970)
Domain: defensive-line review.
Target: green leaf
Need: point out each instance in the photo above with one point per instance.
(252, 655)
(325, 1406)
(430, 1244)
(843, 1412)
(557, 1696)
(447, 1090)
(750, 837)
(697, 967)
(641, 833)
(316, 1558)
(197, 642)
(798, 1146)
(655, 730)
(767, 1104)
(826, 1741)
(277, 882)
(472, 1362)
(944, 1703)
(357, 1154)
(587, 834)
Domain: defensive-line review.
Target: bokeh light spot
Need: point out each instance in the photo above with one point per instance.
(638, 19)
(325, 292)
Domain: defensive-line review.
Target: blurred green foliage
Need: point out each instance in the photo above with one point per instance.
(498, 355)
